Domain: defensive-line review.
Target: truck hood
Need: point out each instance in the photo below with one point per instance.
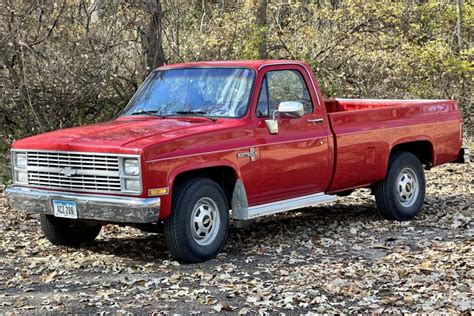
(124, 135)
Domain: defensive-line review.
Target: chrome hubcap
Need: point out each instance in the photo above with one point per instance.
(407, 187)
(205, 221)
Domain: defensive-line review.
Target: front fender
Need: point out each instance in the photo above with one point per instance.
(190, 167)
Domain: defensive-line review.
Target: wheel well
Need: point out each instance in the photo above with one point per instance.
(223, 175)
(422, 149)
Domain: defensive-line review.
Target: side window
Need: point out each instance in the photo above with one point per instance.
(287, 85)
(262, 106)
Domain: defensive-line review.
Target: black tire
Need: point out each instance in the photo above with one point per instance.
(193, 200)
(68, 232)
(401, 194)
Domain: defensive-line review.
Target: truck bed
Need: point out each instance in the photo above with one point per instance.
(366, 130)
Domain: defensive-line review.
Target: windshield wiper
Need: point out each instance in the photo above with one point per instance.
(150, 112)
(196, 113)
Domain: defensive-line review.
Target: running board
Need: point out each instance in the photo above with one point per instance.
(246, 212)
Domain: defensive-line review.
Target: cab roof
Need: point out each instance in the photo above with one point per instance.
(254, 64)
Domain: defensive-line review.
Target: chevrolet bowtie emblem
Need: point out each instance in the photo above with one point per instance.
(68, 172)
(252, 154)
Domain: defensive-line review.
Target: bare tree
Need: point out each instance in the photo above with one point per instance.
(262, 26)
(152, 35)
(458, 25)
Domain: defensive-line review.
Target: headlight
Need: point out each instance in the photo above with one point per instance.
(132, 185)
(130, 178)
(131, 167)
(21, 176)
(20, 160)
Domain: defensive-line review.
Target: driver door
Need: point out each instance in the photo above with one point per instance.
(295, 161)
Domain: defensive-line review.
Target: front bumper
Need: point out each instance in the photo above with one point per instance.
(113, 209)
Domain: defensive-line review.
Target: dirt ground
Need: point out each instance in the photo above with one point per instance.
(342, 257)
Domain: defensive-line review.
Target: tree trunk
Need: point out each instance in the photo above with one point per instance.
(458, 25)
(152, 35)
(262, 25)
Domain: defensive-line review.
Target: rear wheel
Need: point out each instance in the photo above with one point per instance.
(197, 228)
(68, 232)
(401, 194)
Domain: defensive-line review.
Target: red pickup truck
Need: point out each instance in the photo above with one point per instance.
(201, 143)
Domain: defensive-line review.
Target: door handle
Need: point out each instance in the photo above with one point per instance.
(318, 121)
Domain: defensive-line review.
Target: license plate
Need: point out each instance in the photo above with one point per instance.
(66, 209)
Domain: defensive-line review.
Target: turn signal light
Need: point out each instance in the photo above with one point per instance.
(158, 191)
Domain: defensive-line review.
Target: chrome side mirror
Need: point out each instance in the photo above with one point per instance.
(287, 109)
(291, 109)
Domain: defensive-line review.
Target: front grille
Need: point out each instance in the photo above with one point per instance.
(74, 171)
(73, 160)
(76, 182)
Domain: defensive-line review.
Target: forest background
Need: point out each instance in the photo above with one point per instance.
(75, 62)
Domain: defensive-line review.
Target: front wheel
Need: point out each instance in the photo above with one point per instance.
(197, 228)
(401, 194)
(68, 232)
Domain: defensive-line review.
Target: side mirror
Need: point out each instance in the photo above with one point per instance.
(291, 109)
(287, 109)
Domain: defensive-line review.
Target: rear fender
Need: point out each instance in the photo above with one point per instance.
(413, 144)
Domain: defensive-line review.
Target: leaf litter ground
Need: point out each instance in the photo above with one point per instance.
(342, 257)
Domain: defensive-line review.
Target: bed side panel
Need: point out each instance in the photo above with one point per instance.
(364, 138)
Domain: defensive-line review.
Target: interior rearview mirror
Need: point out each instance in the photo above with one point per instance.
(287, 109)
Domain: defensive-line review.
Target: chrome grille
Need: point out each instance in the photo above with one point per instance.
(74, 171)
(77, 182)
(73, 160)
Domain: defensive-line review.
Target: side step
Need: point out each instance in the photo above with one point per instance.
(246, 213)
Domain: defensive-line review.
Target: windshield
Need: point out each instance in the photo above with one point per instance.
(215, 92)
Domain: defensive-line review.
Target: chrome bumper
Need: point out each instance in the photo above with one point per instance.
(113, 209)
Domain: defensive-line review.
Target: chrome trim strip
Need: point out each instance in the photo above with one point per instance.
(83, 172)
(113, 209)
(245, 213)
